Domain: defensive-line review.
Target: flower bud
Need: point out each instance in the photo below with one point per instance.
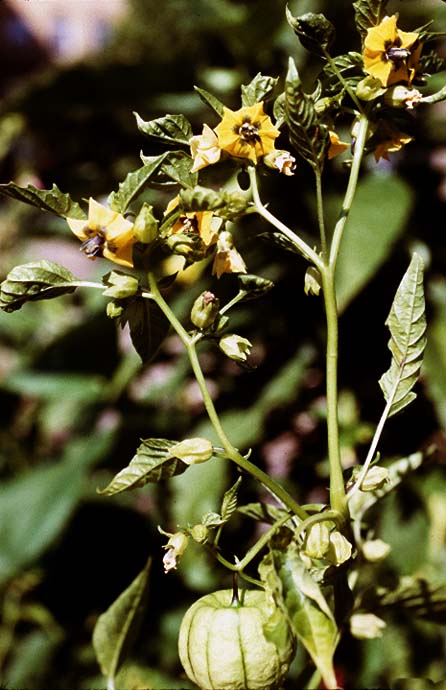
(366, 626)
(199, 533)
(375, 550)
(369, 88)
(192, 450)
(189, 245)
(399, 96)
(145, 227)
(176, 546)
(317, 540)
(121, 285)
(312, 285)
(375, 478)
(114, 310)
(205, 310)
(235, 347)
(282, 161)
(339, 549)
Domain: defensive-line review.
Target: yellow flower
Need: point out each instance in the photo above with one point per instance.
(336, 145)
(106, 233)
(394, 143)
(246, 133)
(227, 259)
(204, 149)
(199, 222)
(391, 55)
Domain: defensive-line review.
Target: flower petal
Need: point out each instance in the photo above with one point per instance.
(79, 228)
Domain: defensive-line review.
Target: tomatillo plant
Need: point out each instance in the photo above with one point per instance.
(304, 569)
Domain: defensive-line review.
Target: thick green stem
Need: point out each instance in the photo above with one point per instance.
(320, 214)
(231, 452)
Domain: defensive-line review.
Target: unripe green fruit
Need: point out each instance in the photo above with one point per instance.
(223, 646)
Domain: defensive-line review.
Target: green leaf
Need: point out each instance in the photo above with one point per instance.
(201, 199)
(134, 183)
(434, 365)
(148, 326)
(152, 463)
(368, 13)
(116, 629)
(306, 134)
(315, 31)
(257, 90)
(46, 199)
(229, 503)
(418, 596)
(170, 129)
(265, 512)
(407, 325)
(284, 573)
(35, 281)
(371, 232)
(35, 506)
(211, 101)
(253, 286)
(45, 385)
(175, 169)
(347, 64)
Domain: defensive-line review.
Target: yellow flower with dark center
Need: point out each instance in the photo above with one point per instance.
(395, 142)
(246, 133)
(201, 223)
(391, 55)
(106, 233)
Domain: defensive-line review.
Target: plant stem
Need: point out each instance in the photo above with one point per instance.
(320, 214)
(342, 81)
(231, 452)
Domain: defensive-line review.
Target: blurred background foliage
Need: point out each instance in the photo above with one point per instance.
(76, 399)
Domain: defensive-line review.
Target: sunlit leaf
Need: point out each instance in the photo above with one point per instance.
(148, 326)
(116, 629)
(229, 503)
(152, 463)
(134, 183)
(407, 325)
(46, 199)
(307, 135)
(257, 90)
(315, 31)
(35, 281)
(169, 129)
(285, 575)
(368, 13)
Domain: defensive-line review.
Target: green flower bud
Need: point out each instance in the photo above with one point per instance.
(189, 245)
(340, 549)
(375, 550)
(200, 533)
(121, 285)
(235, 347)
(317, 540)
(375, 478)
(145, 227)
(205, 310)
(192, 450)
(366, 626)
(114, 310)
(369, 88)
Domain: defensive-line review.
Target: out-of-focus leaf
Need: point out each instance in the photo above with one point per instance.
(407, 325)
(152, 463)
(434, 364)
(257, 90)
(46, 199)
(315, 31)
(35, 506)
(416, 595)
(210, 100)
(148, 326)
(34, 281)
(368, 13)
(50, 386)
(378, 216)
(262, 511)
(169, 129)
(285, 575)
(116, 629)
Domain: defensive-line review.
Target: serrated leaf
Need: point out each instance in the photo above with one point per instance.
(134, 183)
(285, 575)
(257, 90)
(229, 502)
(306, 134)
(176, 169)
(151, 464)
(35, 281)
(315, 31)
(368, 13)
(407, 325)
(210, 100)
(170, 129)
(46, 199)
(116, 629)
(148, 326)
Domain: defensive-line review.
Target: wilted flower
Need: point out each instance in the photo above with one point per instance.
(282, 161)
(106, 233)
(176, 546)
(336, 145)
(391, 55)
(246, 133)
(227, 258)
(204, 149)
(394, 143)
